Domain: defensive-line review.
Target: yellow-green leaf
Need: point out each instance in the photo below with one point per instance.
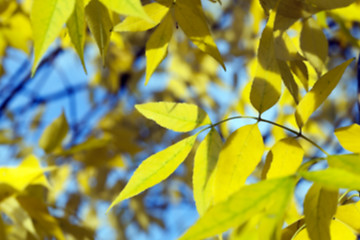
(349, 137)
(127, 7)
(157, 45)
(54, 134)
(314, 44)
(242, 206)
(348, 162)
(266, 87)
(285, 158)
(100, 25)
(237, 160)
(47, 20)
(191, 19)
(156, 168)
(333, 178)
(350, 214)
(76, 26)
(317, 95)
(205, 161)
(319, 208)
(338, 231)
(179, 117)
(156, 11)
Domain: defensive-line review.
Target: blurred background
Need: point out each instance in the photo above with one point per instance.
(107, 138)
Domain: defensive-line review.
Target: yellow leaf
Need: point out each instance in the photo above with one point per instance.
(338, 231)
(76, 26)
(157, 45)
(191, 19)
(350, 214)
(237, 160)
(16, 179)
(289, 80)
(127, 7)
(242, 206)
(47, 19)
(314, 44)
(18, 215)
(100, 25)
(284, 47)
(348, 162)
(317, 95)
(205, 161)
(156, 168)
(156, 11)
(266, 87)
(179, 117)
(349, 137)
(32, 161)
(333, 178)
(301, 72)
(286, 156)
(319, 208)
(54, 134)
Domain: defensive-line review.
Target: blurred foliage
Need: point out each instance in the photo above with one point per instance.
(180, 49)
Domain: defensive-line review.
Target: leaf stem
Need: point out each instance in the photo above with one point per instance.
(259, 119)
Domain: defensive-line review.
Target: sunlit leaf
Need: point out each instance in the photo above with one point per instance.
(100, 25)
(266, 87)
(242, 206)
(157, 45)
(54, 134)
(191, 19)
(349, 137)
(180, 117)
(127, 7)
(285, 158)
(238, 158)
(317, 95)
(338, 231)
(155, 11)
(76, 26)
(333, 178)
(156, 168)
(319, 208)
(205, 161)
(314, 44)
(289, 80)
(350, 214)
(47, 19)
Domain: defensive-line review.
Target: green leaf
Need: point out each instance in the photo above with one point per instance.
(179, 117)
(205, 161)
(319, 208)
(266, 87)
(54, 134)
(76, 26)
(314, 44)
(155, 11)
(237, 160)
(156, 168)
(333, 178)
(349, 137)
(100, 25)
(191, 19)
(157, 45)
(242, 206)
(317, 95)
(127, 7)
(47, 19)
(348, 162)
(285, 158)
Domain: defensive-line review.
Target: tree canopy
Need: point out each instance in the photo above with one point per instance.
(116, 113)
